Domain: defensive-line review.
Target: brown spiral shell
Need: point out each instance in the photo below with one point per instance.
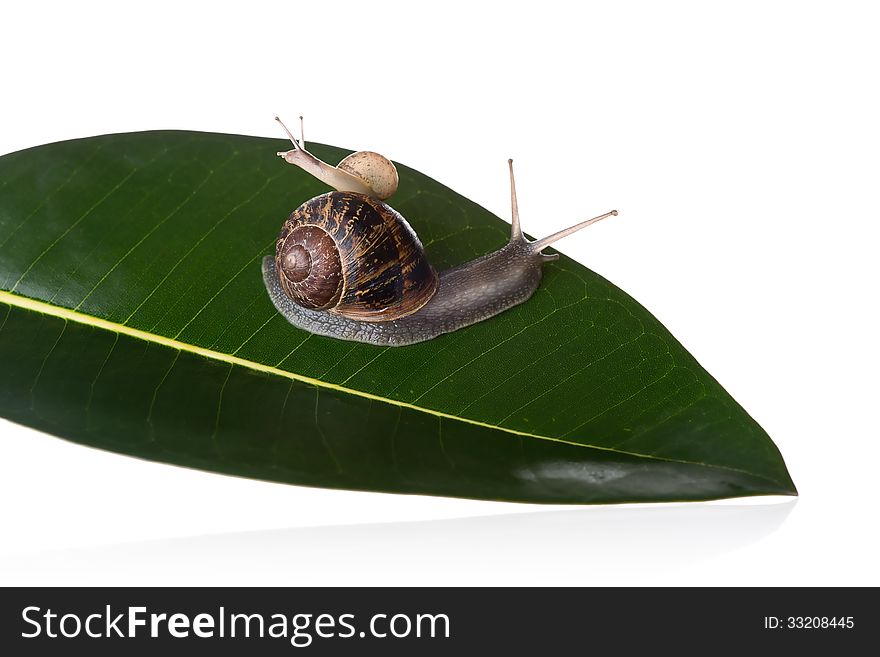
(355, 256)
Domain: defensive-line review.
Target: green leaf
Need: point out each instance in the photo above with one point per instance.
(133, 318)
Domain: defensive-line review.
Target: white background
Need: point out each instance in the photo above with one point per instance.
(741, 147)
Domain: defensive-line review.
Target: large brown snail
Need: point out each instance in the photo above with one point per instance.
(349, 266)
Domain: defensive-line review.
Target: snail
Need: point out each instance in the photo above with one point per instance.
(349, 266)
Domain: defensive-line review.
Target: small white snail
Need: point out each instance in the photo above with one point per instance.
(349, 266)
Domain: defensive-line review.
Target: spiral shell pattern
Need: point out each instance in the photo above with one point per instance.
(354, 256)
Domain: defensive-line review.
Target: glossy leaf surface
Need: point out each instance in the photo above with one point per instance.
(133, 318)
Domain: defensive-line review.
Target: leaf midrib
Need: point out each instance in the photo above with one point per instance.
(67, 314)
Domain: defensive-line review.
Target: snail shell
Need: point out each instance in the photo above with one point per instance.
(354, 256)
(376, 170)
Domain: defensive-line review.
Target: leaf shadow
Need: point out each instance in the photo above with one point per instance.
(599, 545)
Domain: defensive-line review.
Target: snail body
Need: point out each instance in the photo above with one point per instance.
(349, 266)
(464, 295)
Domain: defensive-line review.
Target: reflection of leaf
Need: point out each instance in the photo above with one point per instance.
(134, 319)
